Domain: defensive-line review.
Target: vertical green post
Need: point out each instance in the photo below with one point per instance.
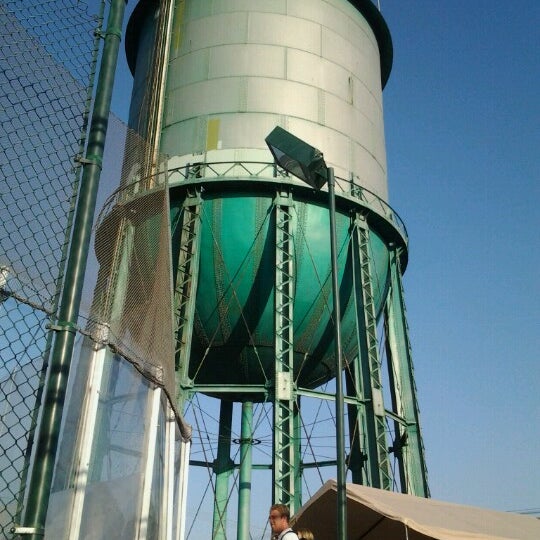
(357, 421)
(223, 469)
(298, 470)
(188, 237)
(285, 453)
(378, 467)
(244, 487)
(55, 391)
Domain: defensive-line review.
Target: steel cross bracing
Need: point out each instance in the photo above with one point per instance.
(286, 454)
(186, 284)
(407, 445)
(376, 450)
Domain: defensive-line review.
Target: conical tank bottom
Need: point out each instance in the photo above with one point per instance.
(233, 340)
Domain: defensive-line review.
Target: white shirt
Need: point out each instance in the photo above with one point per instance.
(287, 534)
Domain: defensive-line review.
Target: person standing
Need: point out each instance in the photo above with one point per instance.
(279, 523)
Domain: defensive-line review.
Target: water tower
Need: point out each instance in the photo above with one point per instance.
(250, 250)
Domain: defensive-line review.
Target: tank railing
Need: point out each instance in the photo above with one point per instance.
(373, 201)
(257, 169)
(252, 169)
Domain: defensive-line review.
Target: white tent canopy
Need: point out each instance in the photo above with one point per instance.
(377, 514)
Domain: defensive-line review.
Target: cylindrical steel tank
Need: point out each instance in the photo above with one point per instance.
(235, 70)
(238, 68)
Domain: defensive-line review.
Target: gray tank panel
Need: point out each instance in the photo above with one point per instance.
(238, 68)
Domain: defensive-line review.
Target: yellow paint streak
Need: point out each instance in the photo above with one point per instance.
(177, 24)
(212, 134)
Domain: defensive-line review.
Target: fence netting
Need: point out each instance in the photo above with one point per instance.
(128, 301)
(48, 54)
(46, 67)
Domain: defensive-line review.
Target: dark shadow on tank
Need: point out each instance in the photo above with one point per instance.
(237, 356)
(321, 356)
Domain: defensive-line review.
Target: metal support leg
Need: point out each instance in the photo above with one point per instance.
(186, 288)
(357, 423)
(223, 468)
(378, 474)
(285, 463)
(244, 488)
(408, 444)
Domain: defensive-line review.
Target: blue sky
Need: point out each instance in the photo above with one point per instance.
(462, 120)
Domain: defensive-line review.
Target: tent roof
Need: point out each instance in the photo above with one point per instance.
(377, 514)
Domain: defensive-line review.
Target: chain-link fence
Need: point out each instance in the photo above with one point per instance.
(47, 60)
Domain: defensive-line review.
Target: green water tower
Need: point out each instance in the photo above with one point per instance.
(250, 242)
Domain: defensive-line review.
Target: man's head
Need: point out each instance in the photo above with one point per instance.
(279, 518)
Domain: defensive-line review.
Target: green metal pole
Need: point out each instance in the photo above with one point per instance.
(284, 466)
(298, 470)
(223, 468)
(49, 429)
(340, 409)
(244, 488)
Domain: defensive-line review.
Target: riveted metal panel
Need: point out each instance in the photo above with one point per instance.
(238, 60)
(283, 97)
(186, 137)
(339, 17)
(311, 69)
(189, 69)
(370, 172)
(208, 97)
(361, 61)
(197, 10)
(214, 31)
(369, 103)
(264, 6)
(284, 31)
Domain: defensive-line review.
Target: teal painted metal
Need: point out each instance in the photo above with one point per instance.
(307, 163)
(285, 408)
(378, 474)
(244, 479)
(186, 233)
(235, 290)
(250, 221)
(357, 423)
(49, 427)
(298, 471)
(223, 468)
(408, 444)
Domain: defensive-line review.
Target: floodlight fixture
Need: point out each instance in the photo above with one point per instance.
(298, 157)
